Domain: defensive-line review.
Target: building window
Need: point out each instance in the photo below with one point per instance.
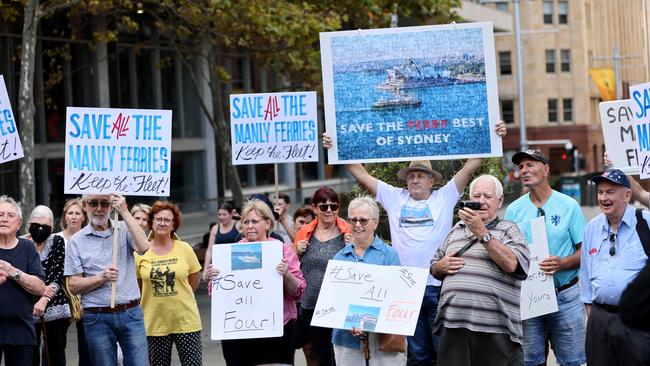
(550, 61)
(565, 60)
(563, 12)
(505, 63)
(508, 111)
(548, 12)
(552, 110)
(502, 6)
(567, 109)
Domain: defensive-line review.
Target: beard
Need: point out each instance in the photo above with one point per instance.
(99, 220)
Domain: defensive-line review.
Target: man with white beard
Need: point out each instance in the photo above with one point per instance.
(88, 266)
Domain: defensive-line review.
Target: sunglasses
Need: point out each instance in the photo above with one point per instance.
(95, 203)
(36, 226)
(331, 206)
(612, 240)
(361, 220)
(540, 212)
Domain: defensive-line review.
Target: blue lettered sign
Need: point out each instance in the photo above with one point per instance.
(273, 128)
(640, 104)
(126, 151)
(10, 146)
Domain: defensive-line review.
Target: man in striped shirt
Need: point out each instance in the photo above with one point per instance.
(482, 263)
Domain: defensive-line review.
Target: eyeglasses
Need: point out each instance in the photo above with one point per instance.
(36, 226)
(95, 203)
(612, 240)
(332, 206)
(361, 220)
(163, 220)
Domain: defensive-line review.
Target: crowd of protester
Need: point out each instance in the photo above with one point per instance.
(469, 311)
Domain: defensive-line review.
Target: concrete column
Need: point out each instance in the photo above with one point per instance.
(205, 93)
(101, 59)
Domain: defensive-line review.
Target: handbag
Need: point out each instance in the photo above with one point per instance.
(391, 342)
(74, 301)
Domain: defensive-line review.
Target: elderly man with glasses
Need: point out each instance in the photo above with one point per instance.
(565, 225)
(612, 257)
(89, 268)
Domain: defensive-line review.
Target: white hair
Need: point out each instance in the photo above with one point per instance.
(498, 187)
(13, 202)
(367, 203)
(41, 211)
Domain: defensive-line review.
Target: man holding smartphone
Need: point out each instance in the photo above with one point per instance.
(565, 225)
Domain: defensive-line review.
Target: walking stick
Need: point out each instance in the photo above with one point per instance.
(366, 349)
(47, 351)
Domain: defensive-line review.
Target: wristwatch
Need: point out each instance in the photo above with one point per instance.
(486, 238)
(16, 276)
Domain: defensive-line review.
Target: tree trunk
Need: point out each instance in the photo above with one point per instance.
(26, 108)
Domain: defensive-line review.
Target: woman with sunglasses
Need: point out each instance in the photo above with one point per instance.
(169, 273)
(316, 243)
(363, 216)
(257, 221)
(51, 311)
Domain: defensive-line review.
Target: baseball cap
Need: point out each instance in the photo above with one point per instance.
(534, 154)
(615, 176)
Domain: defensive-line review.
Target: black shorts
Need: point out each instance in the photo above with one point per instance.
(256, 351)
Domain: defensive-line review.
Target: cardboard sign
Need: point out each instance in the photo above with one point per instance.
(247, 298)
(411, 93)
(10, 146)
(384, 299)
(274, 128)
(126, 151)
(538, 291)
(640, 104)
(620, 135)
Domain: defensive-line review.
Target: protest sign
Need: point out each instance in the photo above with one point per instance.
(619, 134)
(247, 300)
(384, 299)
(273, 128)
(537, 291)
(111, 150)
(411, 93)
(640, 104)
(10, 146)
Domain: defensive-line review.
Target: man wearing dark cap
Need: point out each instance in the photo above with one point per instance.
(611, 258)
(565, 225)
(419, 218)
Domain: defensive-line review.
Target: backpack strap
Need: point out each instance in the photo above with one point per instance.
(643, 231)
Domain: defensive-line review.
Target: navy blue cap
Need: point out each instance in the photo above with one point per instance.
(265, 199)
(613, 176)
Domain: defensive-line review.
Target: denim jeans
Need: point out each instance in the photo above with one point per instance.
(422, 346)
(104, 330)
(565, 329)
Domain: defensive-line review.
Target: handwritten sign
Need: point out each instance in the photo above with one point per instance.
(247, 294)
(384, 299)
(620, 136)
(109, 150)
(538, 291)
(640, 104)
(388, 97)
(274, 128)
(10, 146)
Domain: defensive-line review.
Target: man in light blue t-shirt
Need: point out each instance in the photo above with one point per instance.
(565, 225)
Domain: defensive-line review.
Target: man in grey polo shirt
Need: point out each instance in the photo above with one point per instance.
(88, 266)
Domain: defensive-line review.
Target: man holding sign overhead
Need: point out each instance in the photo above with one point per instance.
(419, 219)
(88, 265)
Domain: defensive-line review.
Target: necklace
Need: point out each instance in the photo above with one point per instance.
(329, 233)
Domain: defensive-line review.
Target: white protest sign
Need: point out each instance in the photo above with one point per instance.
(537, 291)
(10, 146)
(273, 128)
(247, 300)
(384, 299)
(640, 97)
(620, 135)
(127, 151)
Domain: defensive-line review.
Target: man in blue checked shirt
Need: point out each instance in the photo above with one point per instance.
(612, 256)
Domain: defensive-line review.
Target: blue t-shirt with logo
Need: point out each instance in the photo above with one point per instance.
(565, 226)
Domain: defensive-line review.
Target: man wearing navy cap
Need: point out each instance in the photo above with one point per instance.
(565, 225)
(612, 256)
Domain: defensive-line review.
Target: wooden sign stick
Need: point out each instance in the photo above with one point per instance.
(115, 234)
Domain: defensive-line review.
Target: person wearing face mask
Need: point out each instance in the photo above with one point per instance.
(53, 306)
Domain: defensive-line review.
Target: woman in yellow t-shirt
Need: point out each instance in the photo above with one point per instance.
(169, 273)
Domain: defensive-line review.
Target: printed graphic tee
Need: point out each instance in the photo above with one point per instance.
(417, 228)
(168, 300)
